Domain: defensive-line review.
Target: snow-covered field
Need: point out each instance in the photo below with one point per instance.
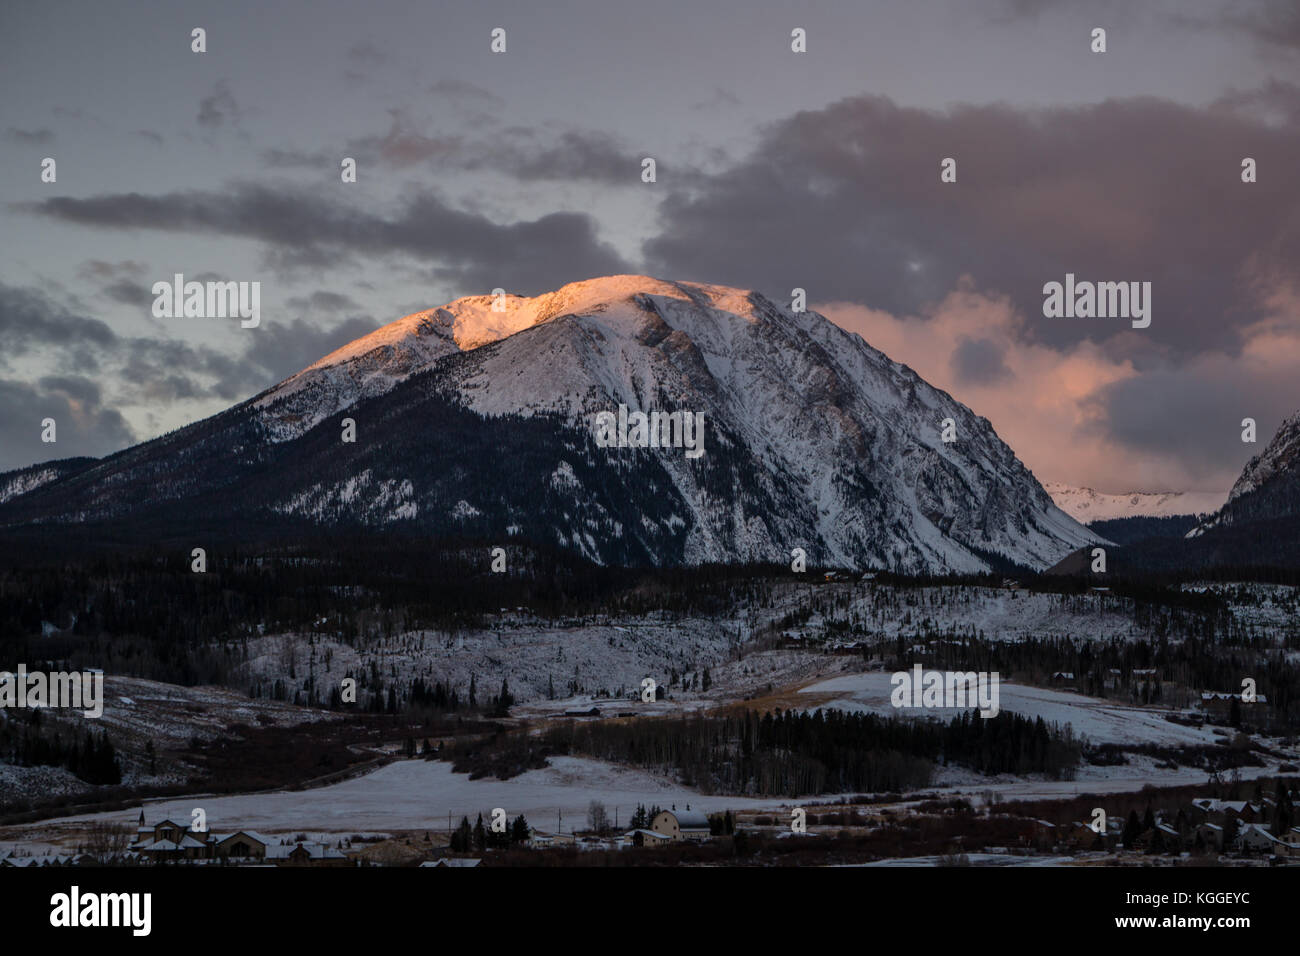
(1101, 721)
(975, 859)
(419, 794)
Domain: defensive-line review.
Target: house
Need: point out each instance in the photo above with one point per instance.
(1170, 840)
(49, 859)
(1039, 833)
(162, 831)
(451, 861)
(188, 847)
(541, 838)
(243, 844)
(1082, 836)
(1255, 838)
(646, 838)
(168, 840)
(306, 854)
(1211, 835)
(1218, 811)
(1063, 677)
(682, 824)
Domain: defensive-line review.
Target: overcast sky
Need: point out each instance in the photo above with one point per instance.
(775, 170)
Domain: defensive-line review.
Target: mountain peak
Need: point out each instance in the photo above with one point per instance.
(476, 419)
(377, 361)
(1282, 453)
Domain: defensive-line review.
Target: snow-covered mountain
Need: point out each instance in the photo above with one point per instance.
(476, 422)
(1269, 485)
(1085, 505)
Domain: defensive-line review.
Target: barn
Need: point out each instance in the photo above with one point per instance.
(681, 824)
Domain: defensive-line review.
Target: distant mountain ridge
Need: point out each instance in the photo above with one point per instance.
(1085, 504)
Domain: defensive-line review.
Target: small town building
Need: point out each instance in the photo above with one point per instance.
(682, 825)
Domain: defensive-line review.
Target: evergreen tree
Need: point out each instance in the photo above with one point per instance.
(1132, 830)
(463, 837)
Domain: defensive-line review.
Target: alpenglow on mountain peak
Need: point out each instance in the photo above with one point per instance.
(475, 419)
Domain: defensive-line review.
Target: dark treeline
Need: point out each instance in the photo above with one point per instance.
(792, 753)
(1124, 531)
(88, 756)
(147, 614)
(477, 838)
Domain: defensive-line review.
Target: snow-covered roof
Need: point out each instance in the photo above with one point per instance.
(653, 833)
(1214, 806)
(316, 851)
(689, 819)
(160, 846)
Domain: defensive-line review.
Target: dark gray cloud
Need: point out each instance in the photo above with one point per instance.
(123, 282)
(1270, 22)
(29, 137)
(30, 322)
(458, 89)
(1194, 415)
(294, 158)
(576, 155)
(363, 59)
(102, 269)
(980, 362)
(847, 202)
(127, 292)
(283, 348)
(302, 228)
(324, 301)
(144, 370)
(365, 53)
(83, 426)
(523, 153)
(720, 100)
(219, 107)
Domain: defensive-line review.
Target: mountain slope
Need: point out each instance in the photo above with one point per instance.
(22, 480)
(479, 423)
(1269, 486)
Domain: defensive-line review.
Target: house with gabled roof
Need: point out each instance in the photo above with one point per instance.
(452, 861)
(242, 844)
(643, 837)
(302, 853)
(1254, 836)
